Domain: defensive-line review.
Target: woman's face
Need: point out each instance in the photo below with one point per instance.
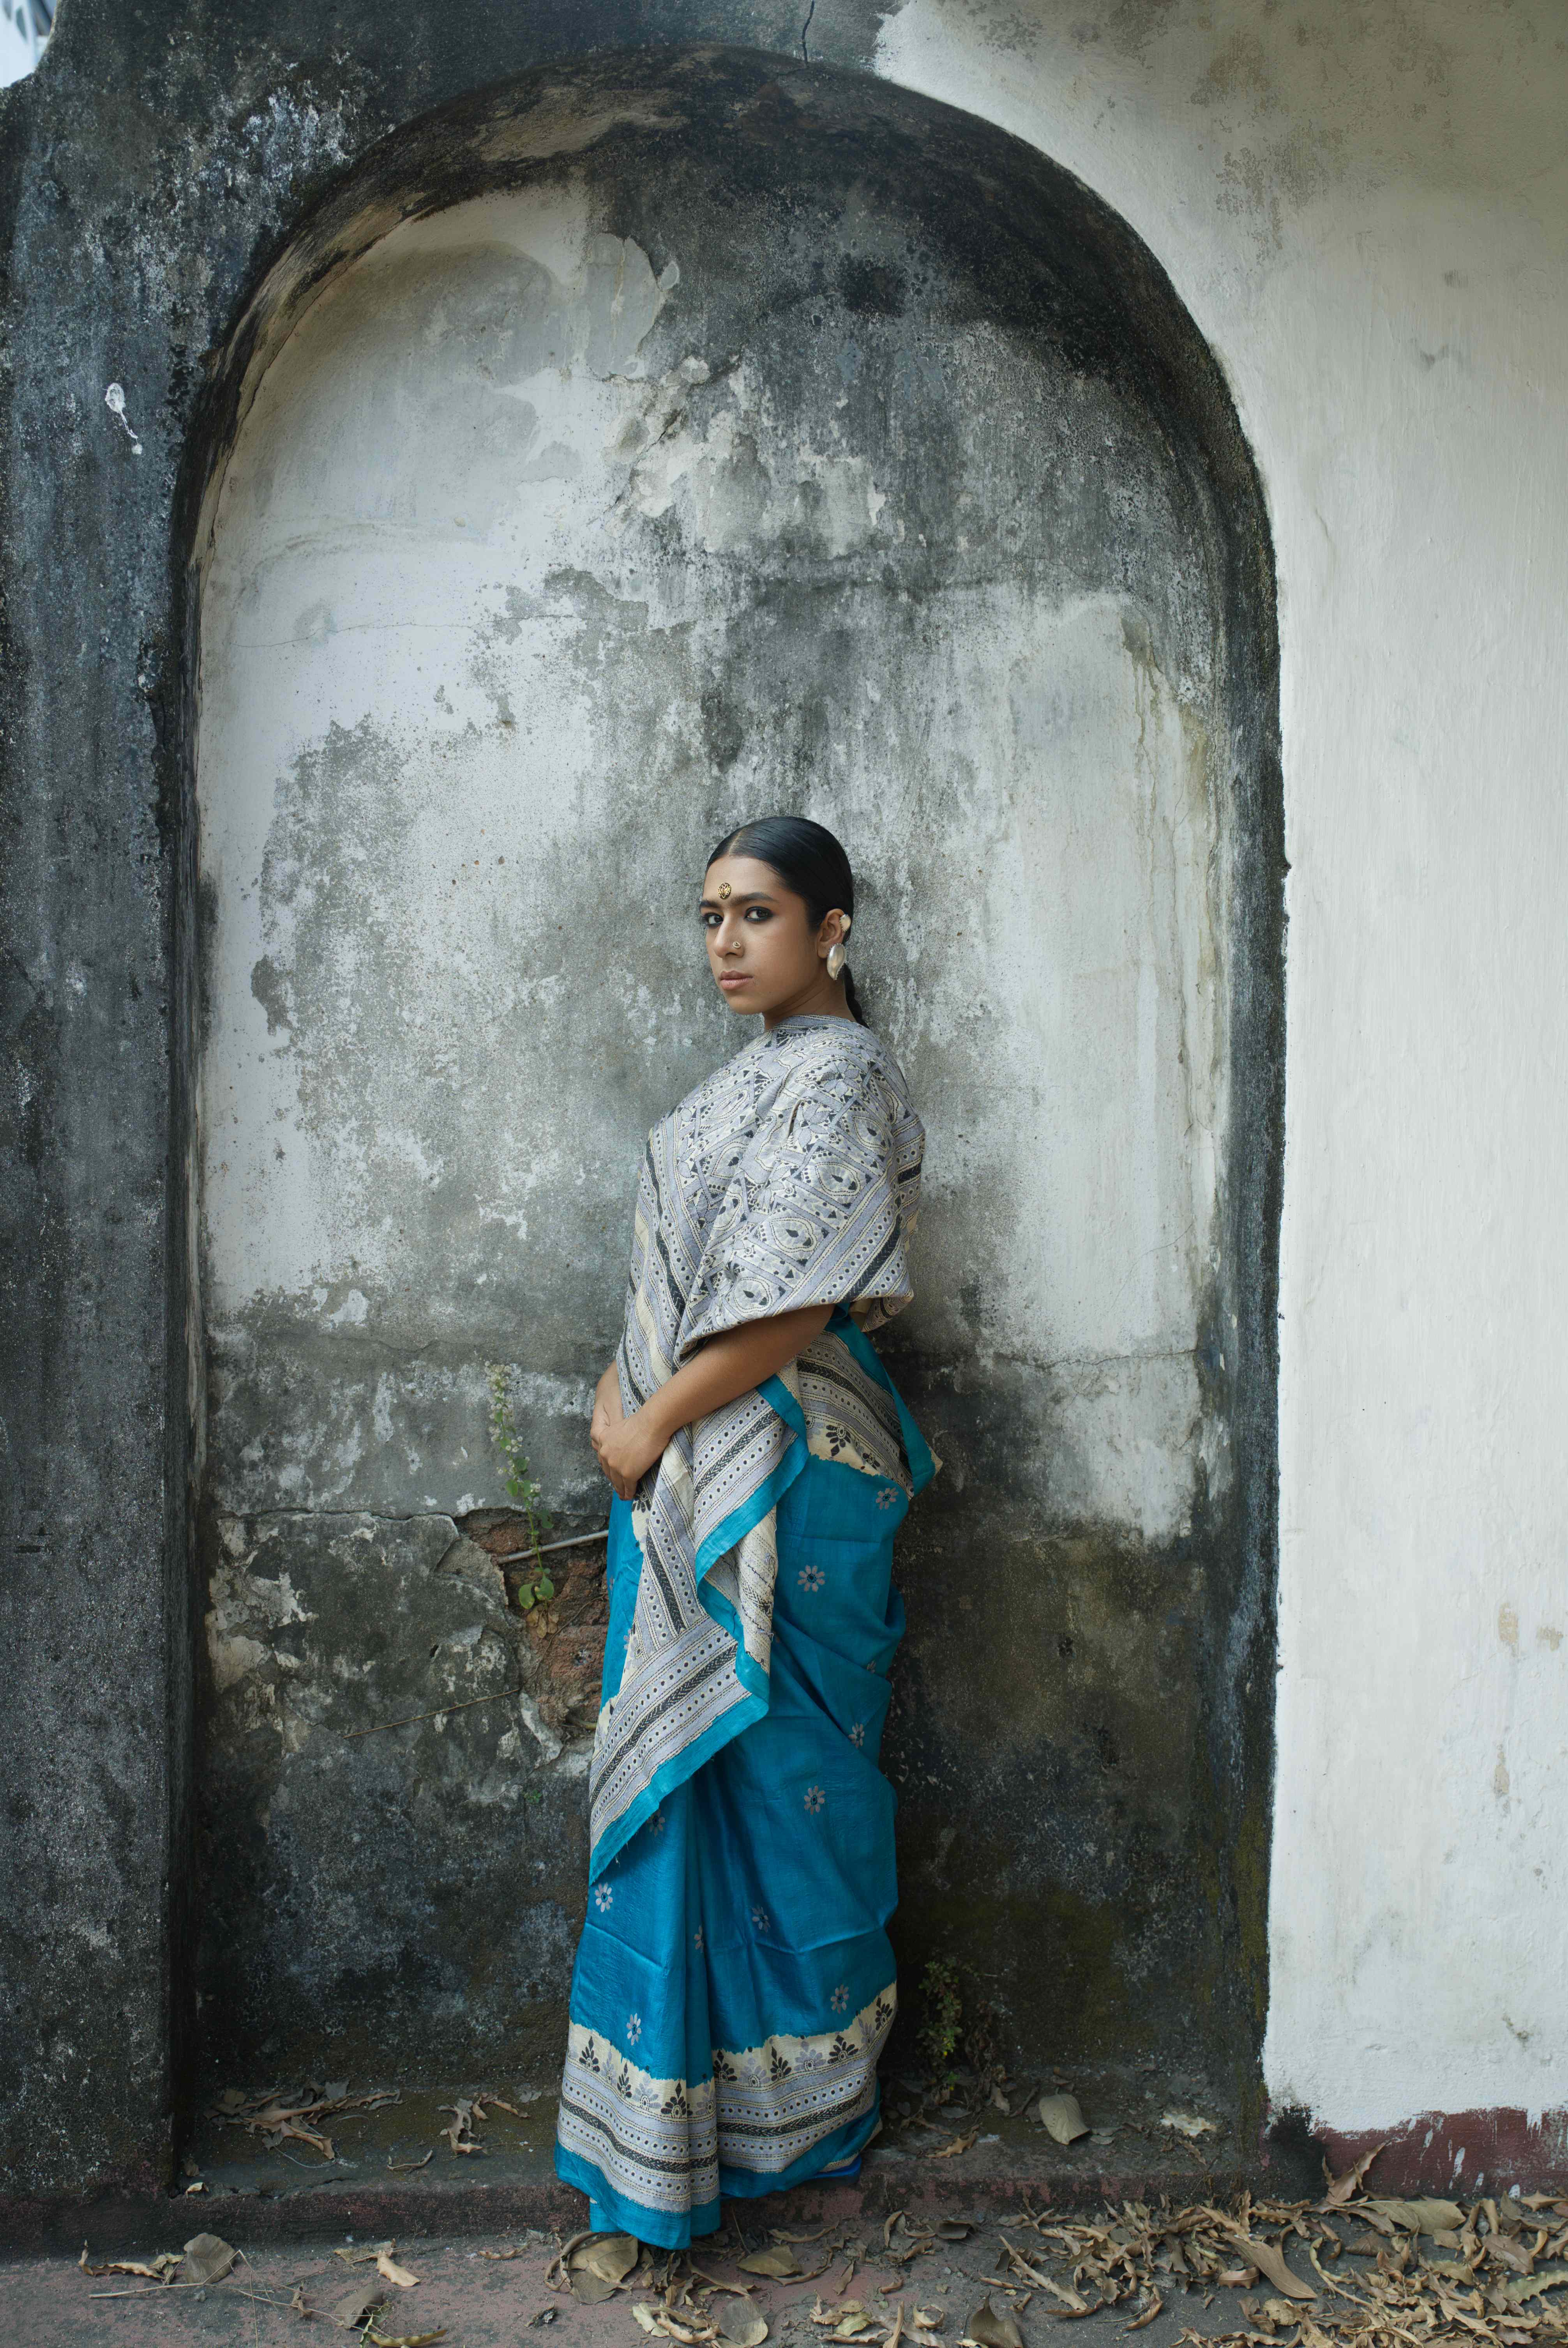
(762, 948)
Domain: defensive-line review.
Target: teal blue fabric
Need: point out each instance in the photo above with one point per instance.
(736, 1914)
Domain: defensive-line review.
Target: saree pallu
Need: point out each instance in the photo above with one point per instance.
(735, 1982)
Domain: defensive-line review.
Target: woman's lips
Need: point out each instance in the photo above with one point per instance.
(734, 978)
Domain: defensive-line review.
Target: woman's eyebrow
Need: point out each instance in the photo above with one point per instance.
(756, 897)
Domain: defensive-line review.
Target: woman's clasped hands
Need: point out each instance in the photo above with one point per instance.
(625, 1447)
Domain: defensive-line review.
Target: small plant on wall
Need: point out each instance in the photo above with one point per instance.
(943, 2005)
(535, 1587)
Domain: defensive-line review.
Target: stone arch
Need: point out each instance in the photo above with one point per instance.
(885, 475)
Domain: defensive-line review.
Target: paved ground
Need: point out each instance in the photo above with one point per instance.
(481, 2300)
(394, 2175)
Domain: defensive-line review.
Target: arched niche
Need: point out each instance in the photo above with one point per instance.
(620, 453)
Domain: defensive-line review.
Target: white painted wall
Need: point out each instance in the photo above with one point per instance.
(1366, 208)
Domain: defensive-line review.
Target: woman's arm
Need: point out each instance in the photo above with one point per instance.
(725, 1366)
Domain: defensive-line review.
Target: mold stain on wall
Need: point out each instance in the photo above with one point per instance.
(701, 475)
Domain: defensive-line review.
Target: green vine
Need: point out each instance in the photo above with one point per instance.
(536, 1586)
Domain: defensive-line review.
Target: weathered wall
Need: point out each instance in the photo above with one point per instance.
(1364, 206)
(742, 462)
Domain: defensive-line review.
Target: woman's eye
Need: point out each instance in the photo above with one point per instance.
(758, 913)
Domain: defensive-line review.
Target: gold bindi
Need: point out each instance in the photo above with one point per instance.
(724, 889)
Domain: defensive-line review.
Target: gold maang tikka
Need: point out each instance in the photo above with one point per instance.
(724, 889)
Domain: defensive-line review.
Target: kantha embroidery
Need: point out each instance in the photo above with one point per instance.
(789, 1177)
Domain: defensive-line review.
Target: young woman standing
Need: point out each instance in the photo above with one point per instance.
(735, 1982)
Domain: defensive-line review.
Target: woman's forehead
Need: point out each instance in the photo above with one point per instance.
(746, 876)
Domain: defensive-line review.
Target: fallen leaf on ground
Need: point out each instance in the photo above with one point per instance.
(157, 2269)
(1188, 2124)
(354, 2307)
(386, 2266)
(1270, 2264)
(1523, 2287)
(743, 2331)
(1156, 2307)
(990, 2329)
(777, 2260)
(361, 2254)
(1419, 2217)
(402, 2339)
(1237, 2277)
(1340, 2189)
(460, 2135)
(1062, 2116)
(208, 2258)
(959, 2144)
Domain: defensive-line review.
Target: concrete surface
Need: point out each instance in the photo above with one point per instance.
(568, 525)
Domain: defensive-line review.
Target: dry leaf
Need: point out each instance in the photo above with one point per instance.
(930, 2319)
(386, 2266)
(1237, 2277)
(1188, 2122)
(610, 2257)
(355, 2305)
(1416, 2217)
(1340, 2189)
(157, 2269)
(460, 2135)
(361, 2254)
(208, 2258)
(852, 2318)
(1270, 2264)
(777, 2261)
(1063, 2118)
(1523, 2287)
(954, 2230)
(744, 2330)
(402, 2339)
(959, 2143)
(989, 2330)
(644, 2314)
(1155, 2307)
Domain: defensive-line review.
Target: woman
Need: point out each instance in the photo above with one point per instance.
(735, 1982)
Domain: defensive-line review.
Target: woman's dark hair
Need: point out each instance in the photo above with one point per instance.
(810, 862)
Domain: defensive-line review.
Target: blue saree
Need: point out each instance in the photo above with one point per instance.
(735, 1982)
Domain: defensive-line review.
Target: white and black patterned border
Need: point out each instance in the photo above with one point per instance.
(658, 2142)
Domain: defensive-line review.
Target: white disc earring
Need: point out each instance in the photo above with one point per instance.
(836, 952)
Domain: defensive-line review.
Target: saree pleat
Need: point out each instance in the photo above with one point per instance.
(734, 1984)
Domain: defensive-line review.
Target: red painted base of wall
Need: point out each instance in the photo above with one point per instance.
(1457, 2155)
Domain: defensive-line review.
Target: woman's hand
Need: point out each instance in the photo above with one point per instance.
(625, 1447)
(628, 1449)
